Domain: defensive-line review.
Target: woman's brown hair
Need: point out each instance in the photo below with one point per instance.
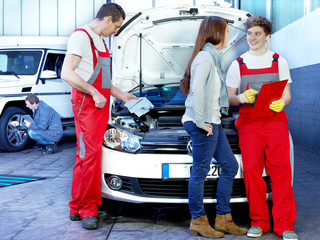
(212, 29)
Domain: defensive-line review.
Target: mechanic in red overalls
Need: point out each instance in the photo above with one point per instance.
(87, 69)
(264, 143)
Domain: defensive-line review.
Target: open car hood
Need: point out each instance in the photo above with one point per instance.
(154, 46)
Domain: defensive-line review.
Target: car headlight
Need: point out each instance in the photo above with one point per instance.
(120, 140)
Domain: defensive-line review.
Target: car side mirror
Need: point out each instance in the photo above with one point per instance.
(48, 74)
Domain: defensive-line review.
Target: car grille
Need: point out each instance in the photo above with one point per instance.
(168, 141)
(175, 148)
(159, 188)
(163, 148)
(179, 189)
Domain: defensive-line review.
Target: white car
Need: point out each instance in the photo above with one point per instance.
(147, 159)
(30, 65)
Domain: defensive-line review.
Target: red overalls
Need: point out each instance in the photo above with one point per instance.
(91, 123)
(265, 143)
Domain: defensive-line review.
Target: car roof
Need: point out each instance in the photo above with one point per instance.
(43, 47)
(33, 42)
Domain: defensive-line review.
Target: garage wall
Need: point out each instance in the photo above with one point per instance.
(304, 110)
(299, 44)
(45, 17)
(61, 17)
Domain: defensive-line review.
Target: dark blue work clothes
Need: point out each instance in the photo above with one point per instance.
(47, 123)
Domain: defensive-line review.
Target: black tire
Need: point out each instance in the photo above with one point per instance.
(12, 139)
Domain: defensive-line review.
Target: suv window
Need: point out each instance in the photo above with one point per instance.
(19, 62)
(54, 63)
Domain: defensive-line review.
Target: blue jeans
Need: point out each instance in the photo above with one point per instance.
(203, 149)
(38, 138)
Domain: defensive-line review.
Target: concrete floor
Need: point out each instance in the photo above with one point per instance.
(39, 210)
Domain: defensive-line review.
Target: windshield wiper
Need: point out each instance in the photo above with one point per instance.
(138, 86)
(9, 73)
(160, 85)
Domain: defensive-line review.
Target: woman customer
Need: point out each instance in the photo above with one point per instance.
(204, 83)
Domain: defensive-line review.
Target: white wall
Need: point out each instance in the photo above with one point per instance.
(61, 17)
(299, 42)
(45, 17)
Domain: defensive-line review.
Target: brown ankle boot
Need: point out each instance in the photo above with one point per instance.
(201, 226)
(224, 223)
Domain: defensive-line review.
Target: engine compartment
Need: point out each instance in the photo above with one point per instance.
(161, 129)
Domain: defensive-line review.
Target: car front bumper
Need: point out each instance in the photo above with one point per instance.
(143, 180)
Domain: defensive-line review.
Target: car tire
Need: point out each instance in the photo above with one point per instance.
(12, 139)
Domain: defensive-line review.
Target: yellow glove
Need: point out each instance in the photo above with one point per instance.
(249, 96)
(277, 105)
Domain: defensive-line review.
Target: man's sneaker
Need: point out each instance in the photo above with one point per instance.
(55, 147)
(75, 217)
(50, 149)
(289, 235)
(47, 151)
(102, 215)
(254, 232)
(90, 222)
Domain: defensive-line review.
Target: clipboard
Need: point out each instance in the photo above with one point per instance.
(269, 92)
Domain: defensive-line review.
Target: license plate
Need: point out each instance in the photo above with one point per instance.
(178, 170)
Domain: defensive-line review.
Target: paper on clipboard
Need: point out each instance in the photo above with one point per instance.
(269, 92)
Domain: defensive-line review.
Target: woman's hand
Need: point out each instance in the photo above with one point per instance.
(208, 129)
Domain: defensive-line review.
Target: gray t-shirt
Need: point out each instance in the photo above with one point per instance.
(202, 103)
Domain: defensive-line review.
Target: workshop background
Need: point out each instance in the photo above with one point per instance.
(296, 37)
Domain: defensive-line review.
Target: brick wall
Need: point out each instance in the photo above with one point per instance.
(304, 110)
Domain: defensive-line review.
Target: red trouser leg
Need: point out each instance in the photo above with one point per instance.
(269, 137)
(252, 144)
(75, 190)
(279, 168)
(90, 127)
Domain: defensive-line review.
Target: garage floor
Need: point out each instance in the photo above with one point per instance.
(39, 209)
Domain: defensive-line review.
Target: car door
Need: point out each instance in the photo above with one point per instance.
(51, 88)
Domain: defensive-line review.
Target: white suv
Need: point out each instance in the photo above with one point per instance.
(25, 70)
(147, 159)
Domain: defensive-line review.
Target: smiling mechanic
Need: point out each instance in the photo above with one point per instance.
(263, 142)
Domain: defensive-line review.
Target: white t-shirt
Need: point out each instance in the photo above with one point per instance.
(256, 62)
(79, 44)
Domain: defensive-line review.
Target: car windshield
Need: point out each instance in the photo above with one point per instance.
(163, 95)
(19, 62)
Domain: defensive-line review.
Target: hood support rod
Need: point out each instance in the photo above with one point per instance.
(140, 70)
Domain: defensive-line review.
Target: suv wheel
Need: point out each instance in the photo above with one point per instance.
(11, 138)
